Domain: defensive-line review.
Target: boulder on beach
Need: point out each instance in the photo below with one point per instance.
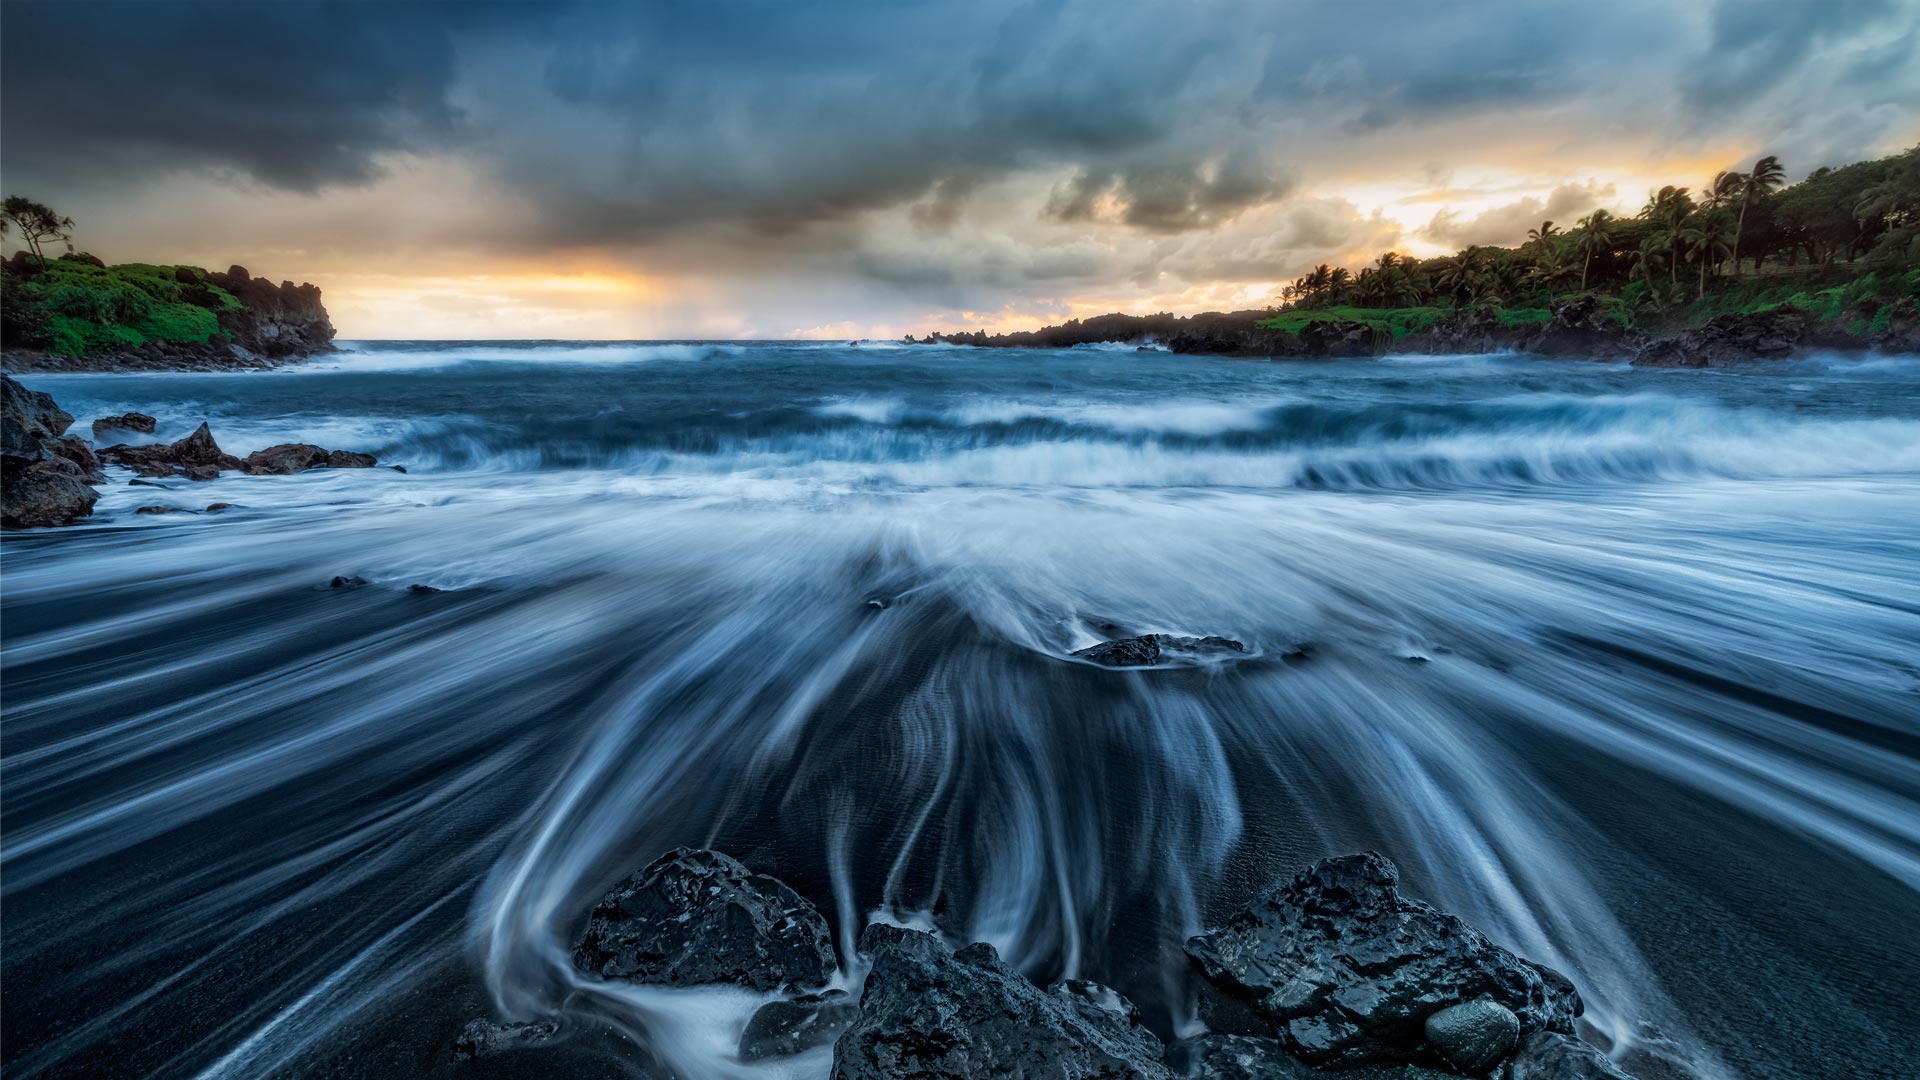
(931, 1013)
(44, 472)
(1151, 649)
(694, 917)
(1345, 970)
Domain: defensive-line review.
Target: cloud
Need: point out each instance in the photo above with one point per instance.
(986, 153)
(1508, 223)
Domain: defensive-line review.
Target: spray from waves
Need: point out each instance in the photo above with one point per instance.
(404, 356)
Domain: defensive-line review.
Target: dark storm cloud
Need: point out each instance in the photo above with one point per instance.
(293, 95)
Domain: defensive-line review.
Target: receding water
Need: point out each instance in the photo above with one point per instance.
(1623, 665)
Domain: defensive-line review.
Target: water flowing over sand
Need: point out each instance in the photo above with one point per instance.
(1621, 665)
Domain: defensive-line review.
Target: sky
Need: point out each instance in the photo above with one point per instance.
(879, 167)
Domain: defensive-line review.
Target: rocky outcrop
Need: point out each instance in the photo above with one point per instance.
(132, 421)
(44, 473)
(1731, 339)
(696, 917)
(1153, 649)
(199, 457)
(1580, 329)
(281, 321)
(929, 1013)
(1345, 970)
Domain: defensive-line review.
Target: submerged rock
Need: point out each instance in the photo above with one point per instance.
(929, 1013)
(1150, 649)
(344, 582)
(132, 421)
(697, 916)
(796, 1025)
(214, 508)
(485, 1038)
(156, 510)
(348, 459)
(1345, 970)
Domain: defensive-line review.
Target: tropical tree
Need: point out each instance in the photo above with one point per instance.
(1595, 235)
(1542, 237)
(1651, 252)
(37, 223)
(1669, 209)
(1766, 177)
(1708, 237)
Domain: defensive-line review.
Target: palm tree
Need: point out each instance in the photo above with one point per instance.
(1670, 207)
(1548, 272)
(1595, 234)
(1708, 238)
(1650, 252)
(1766, 177)
(1543, 236)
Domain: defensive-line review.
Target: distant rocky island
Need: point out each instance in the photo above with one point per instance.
(76, 313)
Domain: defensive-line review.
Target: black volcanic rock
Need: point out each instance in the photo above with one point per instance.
(1473, 1036)
(132, 421)
(1731, 339)
(44, 472)
(1248, 1057)
(696, 917)
(285, 458)
(1550, 1055)
(482, 1039)
(1150, 649)
(1345, 970)
(794, 1025)
(931, 1014)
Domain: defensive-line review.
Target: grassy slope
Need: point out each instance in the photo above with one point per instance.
(83, 308)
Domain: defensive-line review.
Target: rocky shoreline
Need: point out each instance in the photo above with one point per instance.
(1577, 329)
(1333, 973)
(47, 476)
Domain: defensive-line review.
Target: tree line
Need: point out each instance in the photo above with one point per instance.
(1681, 244)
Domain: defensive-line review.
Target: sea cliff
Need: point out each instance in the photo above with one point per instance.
(76, 313)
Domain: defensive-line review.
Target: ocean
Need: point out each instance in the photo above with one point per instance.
(1622, 665)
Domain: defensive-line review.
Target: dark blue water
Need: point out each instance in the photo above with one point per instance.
(1624, 665)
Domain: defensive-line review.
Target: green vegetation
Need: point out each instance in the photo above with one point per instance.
(72, 306)
(1842, 244)
(1398, 322)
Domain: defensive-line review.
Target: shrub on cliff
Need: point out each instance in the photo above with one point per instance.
(73, 305)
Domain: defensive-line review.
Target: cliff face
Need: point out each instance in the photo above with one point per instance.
(280, 321)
